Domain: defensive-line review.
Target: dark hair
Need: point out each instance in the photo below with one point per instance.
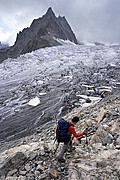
(75, 119)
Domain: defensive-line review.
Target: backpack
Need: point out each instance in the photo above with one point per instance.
(62, 131)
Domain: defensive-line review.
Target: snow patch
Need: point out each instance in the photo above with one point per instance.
(112, 65)
(41, 94)
(87, 86)
(61, 41)
(34, 102)
(93, 99)
(40, 82)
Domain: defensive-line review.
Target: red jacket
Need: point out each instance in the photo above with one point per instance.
(71, 129)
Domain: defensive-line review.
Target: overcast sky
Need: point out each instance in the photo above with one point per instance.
(91, 20)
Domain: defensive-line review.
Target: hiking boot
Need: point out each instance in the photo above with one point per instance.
(61, 160)
(71, 149)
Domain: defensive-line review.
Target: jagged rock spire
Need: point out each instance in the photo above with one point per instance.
(50, 12)
(43, 32)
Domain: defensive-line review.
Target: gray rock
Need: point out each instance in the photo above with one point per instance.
(88, 100)
(37, 173)
(2, 177)
(27, 167)
(11, 173)
(22, 172)
(43, 176)
(101, 164)
(73, 173)
(30, 176)
(13, 163)
(117, 142)
(22, 178)
(11, 178)
(32, 156)
(104, 136)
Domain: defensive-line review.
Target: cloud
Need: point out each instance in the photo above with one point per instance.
(91, 20)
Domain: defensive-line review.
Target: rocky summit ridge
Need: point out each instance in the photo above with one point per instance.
(98, 158)
(43, 32)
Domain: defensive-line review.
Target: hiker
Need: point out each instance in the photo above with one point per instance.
(68, 143)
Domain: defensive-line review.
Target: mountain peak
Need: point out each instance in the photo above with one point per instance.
(43, 32)
(49, 9)
(50, 12)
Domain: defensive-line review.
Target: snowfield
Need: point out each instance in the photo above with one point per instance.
(44, 84)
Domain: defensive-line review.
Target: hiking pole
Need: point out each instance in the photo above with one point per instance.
(91, 131)
(56, 148)
(86, 139)
(85, 133)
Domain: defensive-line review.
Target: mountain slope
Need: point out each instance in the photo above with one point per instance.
(34, 157)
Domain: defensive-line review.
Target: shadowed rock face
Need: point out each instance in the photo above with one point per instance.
(42, 33)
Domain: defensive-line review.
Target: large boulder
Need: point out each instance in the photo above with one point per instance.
(12, 163)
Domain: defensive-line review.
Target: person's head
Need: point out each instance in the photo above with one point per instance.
(75, 119)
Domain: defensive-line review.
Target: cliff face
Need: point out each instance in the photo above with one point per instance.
(43, 32)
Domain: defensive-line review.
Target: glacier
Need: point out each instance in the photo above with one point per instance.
(54, 76)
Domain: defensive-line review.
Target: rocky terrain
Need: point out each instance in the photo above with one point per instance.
(98, 158)
(46, 31)
(38, 88)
